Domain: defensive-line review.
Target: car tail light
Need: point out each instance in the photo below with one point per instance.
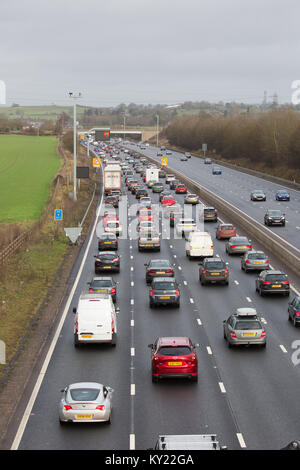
(286, 282)
(115, 241)
(263, 334)
(168, 271)
(177, 292)
(226, 270)
(203, 271)
(155, 359)
(266, 282)
(113, 291)
(112, 324)
(152, 292)
(152, 271)
(267, 261)
(249, 246)
(212, 247)
(232, 246)
(247, 261)
(297, 313)
(67, 407)
(115, 260)
(100, 407)
(98, 261)
(232, 334)
(76, 323)
(91, 290)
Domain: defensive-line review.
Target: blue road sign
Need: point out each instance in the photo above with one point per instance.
(58, 214)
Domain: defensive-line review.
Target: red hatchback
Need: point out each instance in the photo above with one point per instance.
(174, 357)
(225, 231)
(181, 189)
(168, 201)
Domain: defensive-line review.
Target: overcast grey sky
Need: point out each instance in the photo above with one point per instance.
(148, 51)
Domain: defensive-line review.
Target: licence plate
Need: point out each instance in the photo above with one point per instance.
(106, 243)
(174, 363)
(257, 262)
(149, 244)
(215, 274)
(160, 272)
(276, 285)
(86, 336)
(84, 416)
(101, 290)
(165, 297)
(241, 247)
(107, 267)
(249, 334)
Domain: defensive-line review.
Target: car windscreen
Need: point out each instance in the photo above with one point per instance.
(164, 285)
(248, 325)
(174, 350)
(84, 394)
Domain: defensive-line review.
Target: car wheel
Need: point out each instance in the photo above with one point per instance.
(109, 420)
(264, 345)
(229, 344)
(178, 305)
(62, 423)
(151, 304)
(154, 379)
(260, 291)
(76, 342)
(194, 378)
(294, 322)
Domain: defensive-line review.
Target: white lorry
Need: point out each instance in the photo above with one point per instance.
(152, 174)
(112, 178)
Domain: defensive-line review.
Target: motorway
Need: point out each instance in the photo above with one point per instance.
(247, 396)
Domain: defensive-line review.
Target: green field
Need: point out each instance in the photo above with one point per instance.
(39, 113)
(28, 164)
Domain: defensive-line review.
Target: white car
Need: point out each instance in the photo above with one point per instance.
(113, 226)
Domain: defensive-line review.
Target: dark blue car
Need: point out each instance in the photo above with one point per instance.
(282, 195)
(216, 170)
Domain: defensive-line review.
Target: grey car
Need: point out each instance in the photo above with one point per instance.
(244, 327)
(258, 195)
(238, 245)
(105, 285)
(272, 282)
(255, 261)
(85, 402)
(164, 291)
(213, 270)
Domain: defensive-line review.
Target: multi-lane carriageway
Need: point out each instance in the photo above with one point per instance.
(247, 396)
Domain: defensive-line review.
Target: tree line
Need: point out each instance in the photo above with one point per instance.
(271, 138)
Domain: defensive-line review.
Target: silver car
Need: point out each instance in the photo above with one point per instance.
(238, 245)
(244, 327)
(255, 261)
(84, 402)
(191, 199)
(149, 240)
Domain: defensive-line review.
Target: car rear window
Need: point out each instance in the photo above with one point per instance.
(84, 394)
(102, 283)
(164, 285)
(215, 265)
(248, 325)
(107, 256)
(226, 227)
(108, 237)
(276, 277)
(174, 350)
(159, 263)
(256, 256)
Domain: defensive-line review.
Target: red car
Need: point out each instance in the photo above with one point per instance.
(168, 201)
(181, 189)
(174, 357)
(225, 231)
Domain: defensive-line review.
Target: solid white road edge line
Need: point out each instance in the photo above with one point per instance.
(43, 370)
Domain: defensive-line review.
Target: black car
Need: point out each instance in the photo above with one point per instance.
(271, 281)
(158, 268)
(174, 184)
(213, 270)
(107, 241)
(294, 311)
(274, 217)
(164, 291)
(141, 192)
(112, 201)
(107, 261)
(161, 174)
(104, 285)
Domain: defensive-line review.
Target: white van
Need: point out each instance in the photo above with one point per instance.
(199, 244)
(95, 320)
